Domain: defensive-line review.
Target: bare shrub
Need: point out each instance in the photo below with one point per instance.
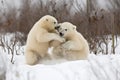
(11, 44)
(91, 21)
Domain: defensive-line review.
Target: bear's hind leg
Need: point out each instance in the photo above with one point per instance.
(31, 58)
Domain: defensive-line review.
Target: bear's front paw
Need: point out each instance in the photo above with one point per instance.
(57, 37)
(66, 46)
(62, 39)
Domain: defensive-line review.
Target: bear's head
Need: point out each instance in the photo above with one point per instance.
(66, 29)
(48, 22)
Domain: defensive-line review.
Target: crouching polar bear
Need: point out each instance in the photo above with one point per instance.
(76, 47)
(38, 39)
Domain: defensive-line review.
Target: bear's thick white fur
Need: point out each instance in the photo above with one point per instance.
(76, 47)
(38, 39)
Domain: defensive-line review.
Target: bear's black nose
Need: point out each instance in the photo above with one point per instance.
(57, 27)
(61, 34)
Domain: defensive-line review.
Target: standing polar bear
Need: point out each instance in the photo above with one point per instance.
(75, 47)
(38, 39)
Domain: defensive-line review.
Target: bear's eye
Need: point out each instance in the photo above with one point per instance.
(54, 22)
(46, 19)
(65, 29)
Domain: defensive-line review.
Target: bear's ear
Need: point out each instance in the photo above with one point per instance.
(74, 27)
(46, 19)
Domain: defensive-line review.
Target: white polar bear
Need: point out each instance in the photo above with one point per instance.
(76, 47)
(38, 39)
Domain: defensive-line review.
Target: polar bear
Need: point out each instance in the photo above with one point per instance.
(76, 46)
(38, 39)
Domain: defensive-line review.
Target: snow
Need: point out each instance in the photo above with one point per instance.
(97, 67)
(100, 67)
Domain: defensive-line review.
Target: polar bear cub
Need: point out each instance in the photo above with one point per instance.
(75, 47)
(38, 39)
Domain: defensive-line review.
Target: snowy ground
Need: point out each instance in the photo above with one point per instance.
(100, 67)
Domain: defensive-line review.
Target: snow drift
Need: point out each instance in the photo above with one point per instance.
(101, 67)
